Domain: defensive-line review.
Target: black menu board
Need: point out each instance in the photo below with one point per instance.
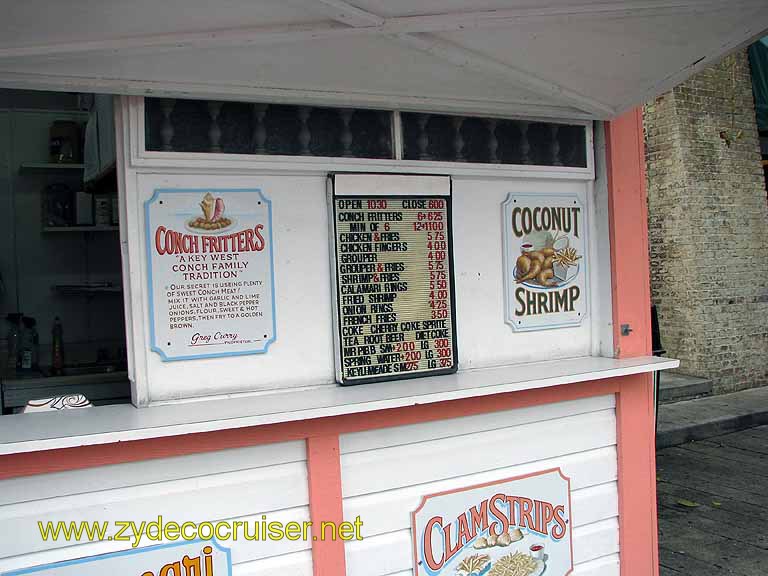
(394, 284)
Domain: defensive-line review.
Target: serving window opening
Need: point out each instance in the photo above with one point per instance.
(63, 343)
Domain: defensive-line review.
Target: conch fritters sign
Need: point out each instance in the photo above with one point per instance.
(210, 272)
(545, 261)
(515, 527)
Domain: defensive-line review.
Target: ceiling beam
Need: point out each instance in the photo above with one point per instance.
(353, 21)
(345, 12)
(247, 92)
(752, 30)
(467, 59)
(184, 40)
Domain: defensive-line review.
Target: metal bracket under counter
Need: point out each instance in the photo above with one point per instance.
(119, 423)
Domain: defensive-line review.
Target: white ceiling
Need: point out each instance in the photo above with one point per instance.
(555, 58)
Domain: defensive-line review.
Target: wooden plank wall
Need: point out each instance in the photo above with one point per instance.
(235, 484)
(386, 472)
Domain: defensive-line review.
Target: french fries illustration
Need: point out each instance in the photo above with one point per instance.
(566, 257)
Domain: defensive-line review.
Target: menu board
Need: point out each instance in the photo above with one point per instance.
(394, 286)
(210, 273)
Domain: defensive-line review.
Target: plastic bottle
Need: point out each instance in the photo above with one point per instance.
(57, 348)
(13, 341)
(30, 345)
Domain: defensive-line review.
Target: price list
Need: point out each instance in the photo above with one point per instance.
(394, 287)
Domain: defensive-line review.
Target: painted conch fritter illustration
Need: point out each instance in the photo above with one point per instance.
(213, 214)
(503, 539)
(538, 266)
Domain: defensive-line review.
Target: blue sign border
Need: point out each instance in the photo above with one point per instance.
(132, 551)
(152, 342)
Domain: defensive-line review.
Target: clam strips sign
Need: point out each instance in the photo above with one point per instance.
(545, 261)
(196, 558)
(515, 527)
(210, 272)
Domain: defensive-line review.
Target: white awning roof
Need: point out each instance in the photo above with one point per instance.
(551, 58)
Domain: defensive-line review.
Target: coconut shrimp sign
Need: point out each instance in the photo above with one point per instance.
(515, 527)
(545, 261)
(210, 273)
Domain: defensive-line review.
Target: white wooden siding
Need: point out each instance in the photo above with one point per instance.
(386, 472)
(237, 484)
(302, 355)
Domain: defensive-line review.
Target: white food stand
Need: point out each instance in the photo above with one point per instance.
(543, 405)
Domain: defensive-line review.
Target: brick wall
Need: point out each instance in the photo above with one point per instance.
(708, 226)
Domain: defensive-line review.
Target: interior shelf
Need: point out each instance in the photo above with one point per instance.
(86, 289)
(48, 166)
(81, 228)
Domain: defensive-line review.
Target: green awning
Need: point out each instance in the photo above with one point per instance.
(758, 60)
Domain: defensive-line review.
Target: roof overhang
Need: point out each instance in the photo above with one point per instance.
(551, 58)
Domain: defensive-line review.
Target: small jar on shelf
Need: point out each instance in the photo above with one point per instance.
(102, 210)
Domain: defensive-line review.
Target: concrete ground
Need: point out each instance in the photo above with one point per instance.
(712, 416)
(713, 506)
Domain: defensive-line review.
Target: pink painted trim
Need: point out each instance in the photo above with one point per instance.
(638, 529)
(628, 229)
(570, 515)
(630, 277)
(325, 503)
(414, 541)
(47, 461)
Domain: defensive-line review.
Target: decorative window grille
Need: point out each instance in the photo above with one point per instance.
(243, 128)
(492, 140)
(246, 128)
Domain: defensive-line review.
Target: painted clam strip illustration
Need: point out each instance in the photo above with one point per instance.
(508, 554)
